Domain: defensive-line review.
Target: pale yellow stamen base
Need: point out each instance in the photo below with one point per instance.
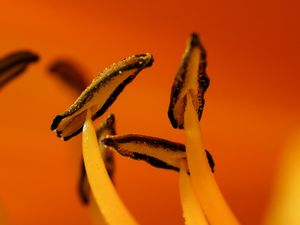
(103, 190)
(203, 181)
(285, 205)
(192, 211)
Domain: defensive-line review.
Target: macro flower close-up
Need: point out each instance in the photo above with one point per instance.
(162, 112)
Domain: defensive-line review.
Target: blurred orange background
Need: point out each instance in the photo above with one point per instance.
(252, 105)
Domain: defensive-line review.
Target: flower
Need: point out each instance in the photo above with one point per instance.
(242, 103)
(185, 110)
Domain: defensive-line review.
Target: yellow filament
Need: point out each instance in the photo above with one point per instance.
(106, 196)
(206, 189)
(192, 211)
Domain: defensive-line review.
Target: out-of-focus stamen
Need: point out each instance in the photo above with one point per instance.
(14, 64)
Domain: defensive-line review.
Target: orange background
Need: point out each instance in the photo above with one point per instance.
(252, 105)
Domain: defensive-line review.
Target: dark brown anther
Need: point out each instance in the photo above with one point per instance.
(14, 64)
(101, 93)
(106, 128)
(70, 73)
(190, 78)
(84, 187)
(157, 152)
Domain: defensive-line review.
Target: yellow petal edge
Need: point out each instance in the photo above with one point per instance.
(284, 208)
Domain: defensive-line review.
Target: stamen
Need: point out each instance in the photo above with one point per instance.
(14, 64)
(191, 77)
(157, 152)
(102, 92)
(70, 73)
(185, 110)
